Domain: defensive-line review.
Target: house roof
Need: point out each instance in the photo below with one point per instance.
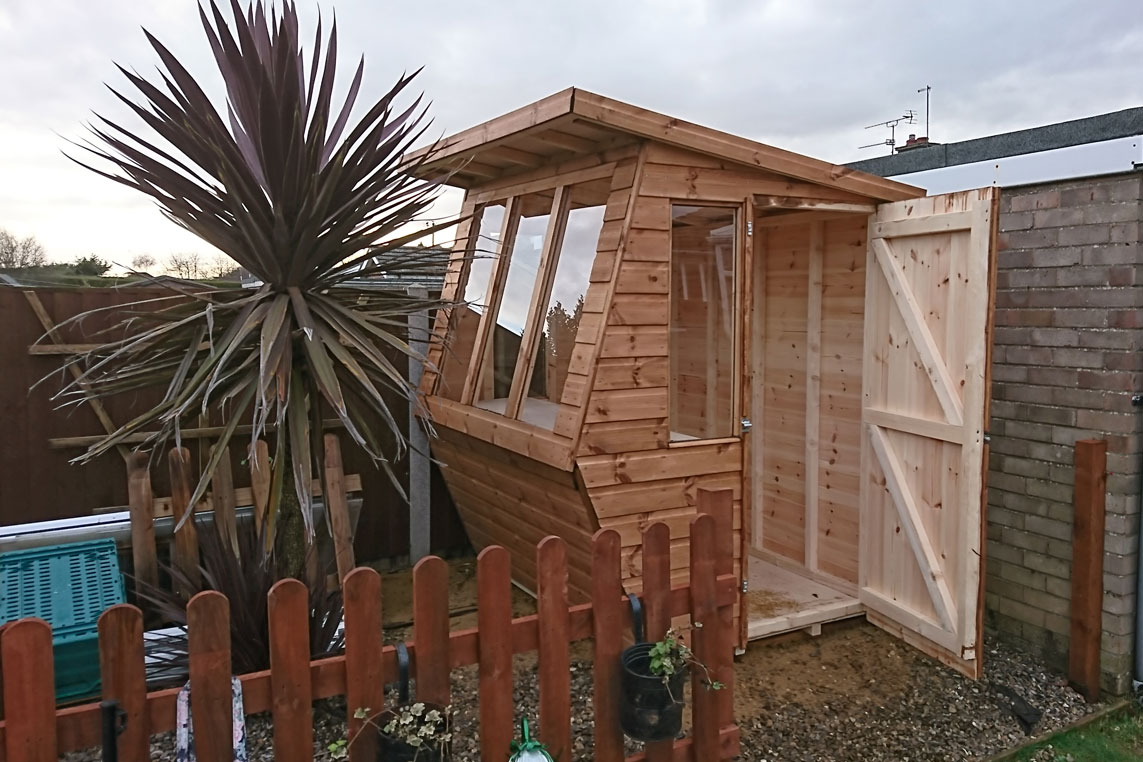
(577, 122)
(1118, 124)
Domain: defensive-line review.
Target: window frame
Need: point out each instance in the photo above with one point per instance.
(541, 292)
(740, 234)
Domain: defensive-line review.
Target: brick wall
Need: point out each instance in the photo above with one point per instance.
(1066, 360)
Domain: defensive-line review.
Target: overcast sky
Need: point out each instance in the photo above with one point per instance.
(802, 75)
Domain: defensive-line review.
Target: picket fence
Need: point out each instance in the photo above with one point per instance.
(33, 730)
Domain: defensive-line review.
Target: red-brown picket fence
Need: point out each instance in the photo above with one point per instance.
(33, 729)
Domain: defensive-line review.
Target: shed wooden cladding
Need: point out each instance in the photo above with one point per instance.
(850, 327)
(34, 730)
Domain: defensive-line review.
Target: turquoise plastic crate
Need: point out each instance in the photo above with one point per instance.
(68, 586)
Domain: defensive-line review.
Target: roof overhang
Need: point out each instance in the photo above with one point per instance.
(576, 122)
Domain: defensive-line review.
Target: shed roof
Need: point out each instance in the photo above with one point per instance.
(577, 122)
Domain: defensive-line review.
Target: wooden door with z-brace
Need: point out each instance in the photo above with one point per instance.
(929, 286)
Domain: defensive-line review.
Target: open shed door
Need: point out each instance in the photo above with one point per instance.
(928, 316)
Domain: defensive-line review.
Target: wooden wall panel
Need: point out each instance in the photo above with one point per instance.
(504, 499)
(842, 321)
(783, 424)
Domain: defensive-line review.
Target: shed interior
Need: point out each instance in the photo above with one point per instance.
(649, 308)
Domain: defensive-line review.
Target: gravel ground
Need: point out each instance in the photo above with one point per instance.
(852, 694)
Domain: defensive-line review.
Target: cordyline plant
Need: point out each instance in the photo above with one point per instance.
(310, 204)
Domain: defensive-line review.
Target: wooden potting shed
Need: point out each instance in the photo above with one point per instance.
(652, 307)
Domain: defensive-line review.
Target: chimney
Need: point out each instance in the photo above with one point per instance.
(915, 142)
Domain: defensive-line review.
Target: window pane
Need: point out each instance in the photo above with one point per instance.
(564, 307)
(703, 242)
(500, 359)
(466, 317)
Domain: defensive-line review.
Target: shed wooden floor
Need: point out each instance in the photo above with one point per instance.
(780, 600)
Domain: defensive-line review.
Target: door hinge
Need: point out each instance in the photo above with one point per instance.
(987, 437)
(744, 585)
(746, 425)
(749, 227)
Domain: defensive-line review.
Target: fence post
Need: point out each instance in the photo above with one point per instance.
(123, 675)
(208, 640)
(707, 637)
(141, 503)
(430, 630)
(720, 505)
(494, 619)
(29, 691)
(656, 602)
(288, 609)
(1087, 566)
(555, 662)
(607, 632)
(364, 676)
(223, 503)
(338, 507)
(185, 552)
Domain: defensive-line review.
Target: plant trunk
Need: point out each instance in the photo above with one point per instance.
(290, 534)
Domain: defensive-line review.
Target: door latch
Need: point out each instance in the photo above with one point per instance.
(746, 425)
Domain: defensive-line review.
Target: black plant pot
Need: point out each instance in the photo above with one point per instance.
(391, 749)
(649, 709)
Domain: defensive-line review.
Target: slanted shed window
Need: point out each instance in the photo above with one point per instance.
(701, 348)
(559, 320)
(480, 253)
(499, 363)
(527, 275)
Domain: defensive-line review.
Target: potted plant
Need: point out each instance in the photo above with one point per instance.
(653, 677)
(416, 732)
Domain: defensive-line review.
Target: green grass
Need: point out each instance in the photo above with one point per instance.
(1115, 738)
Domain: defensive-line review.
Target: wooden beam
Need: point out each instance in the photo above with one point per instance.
(911, 522)
(1087, 566)
(929, 224)
(923, 340)
(205, 432)
(516, 156)
(568, 142)
(62, 349)
(945, 432)
(541, 290)
(812, 204)
(813, 389)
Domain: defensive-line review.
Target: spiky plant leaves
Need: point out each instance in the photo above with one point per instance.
(309, 202)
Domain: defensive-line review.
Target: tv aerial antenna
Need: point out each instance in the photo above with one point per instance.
(909, 117)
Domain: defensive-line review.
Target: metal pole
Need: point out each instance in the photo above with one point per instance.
(420, 530)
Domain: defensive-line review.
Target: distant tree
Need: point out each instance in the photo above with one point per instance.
(221, 266)
(187, 264)
(90, 265)
(16, 252)
(143, 263)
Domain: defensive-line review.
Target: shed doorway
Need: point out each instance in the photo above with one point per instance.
(868, 351)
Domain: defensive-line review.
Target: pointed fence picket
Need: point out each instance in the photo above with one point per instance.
(34, 730)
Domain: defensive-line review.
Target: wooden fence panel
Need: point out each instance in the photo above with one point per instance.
(293, 681)
(608, 619)
(364, 677)
(555, 661)
(494, 615)
(290, 671)
(656, 593)
(430, 629)
(184, 555)
(208, 639)
(41, 484)
(124, 677)
(29, 691)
